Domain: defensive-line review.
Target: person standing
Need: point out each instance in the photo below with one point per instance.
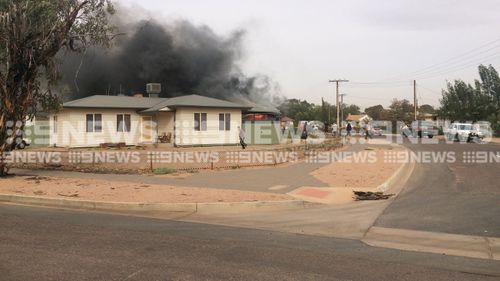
(349, 129)
(368, 131)
(242, 136)
(335, 130)
(304, 134)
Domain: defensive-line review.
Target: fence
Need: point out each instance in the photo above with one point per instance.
(146, 161)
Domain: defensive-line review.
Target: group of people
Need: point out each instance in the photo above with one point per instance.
(367, 130)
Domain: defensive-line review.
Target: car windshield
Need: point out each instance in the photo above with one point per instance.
(465, 127)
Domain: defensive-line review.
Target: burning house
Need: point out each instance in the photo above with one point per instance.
(196, 68)
(187, 120)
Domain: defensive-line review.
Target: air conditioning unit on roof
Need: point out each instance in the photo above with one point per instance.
(153, 88)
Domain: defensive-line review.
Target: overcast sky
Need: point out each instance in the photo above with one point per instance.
(303, 44)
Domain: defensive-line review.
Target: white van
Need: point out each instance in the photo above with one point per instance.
(462, 132)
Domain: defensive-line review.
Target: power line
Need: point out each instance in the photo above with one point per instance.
(369, 85)
(367, 98)
(379, 83)
(454, 60)
(459, 67)
(465, 54)
(471, 58)
(429, 90)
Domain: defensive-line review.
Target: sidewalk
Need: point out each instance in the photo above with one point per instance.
(280, 179)
(121, 191)
(367, 170)
(495, 140)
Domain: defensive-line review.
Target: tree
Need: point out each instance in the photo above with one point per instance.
(302, 110)
(463, 102)
(490, 87)
(490, 103)
(426, 109)
(32, 33)
(350, 109)
(401, 110)
(375, 112)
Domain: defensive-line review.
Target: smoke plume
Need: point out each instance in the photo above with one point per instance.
(184, 58)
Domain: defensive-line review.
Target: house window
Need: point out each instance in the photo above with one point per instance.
(94, 123)
(225, 122)
(200, 121)
(123, 123)
(55, 124)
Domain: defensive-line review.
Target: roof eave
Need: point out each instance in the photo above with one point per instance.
(104, 107)
(209, 106)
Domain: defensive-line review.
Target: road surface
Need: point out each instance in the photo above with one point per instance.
(50, 244)
(456, 197)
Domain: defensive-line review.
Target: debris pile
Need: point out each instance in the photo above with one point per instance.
(362, 195)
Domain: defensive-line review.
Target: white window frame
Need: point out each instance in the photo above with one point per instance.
(54, 121)
(199, 125)
(124, 128)
(94, 123)
(225, 123)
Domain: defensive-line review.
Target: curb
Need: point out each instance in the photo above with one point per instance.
(404, 171)
(217, 207)
(343, 195)
(434, 242)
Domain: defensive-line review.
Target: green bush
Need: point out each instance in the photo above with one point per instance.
(164, 171)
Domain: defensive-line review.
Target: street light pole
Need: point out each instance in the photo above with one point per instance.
(342, 106)
(337, 82)
(415, 99)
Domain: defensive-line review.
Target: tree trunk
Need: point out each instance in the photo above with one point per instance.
(11, 125)
(4, 138)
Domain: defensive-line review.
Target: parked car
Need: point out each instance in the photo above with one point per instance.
(462, 132)
(423, 128)
(18, 141)
(405, 131)
(22, 144)
(377, 131)
(485, 129)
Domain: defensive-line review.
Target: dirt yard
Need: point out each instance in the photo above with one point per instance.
(99, 190)
(354, 172)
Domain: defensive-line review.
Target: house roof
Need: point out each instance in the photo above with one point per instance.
(258, 108)
(147, 104)
(354, 117)
(122, 102)
(286, 119)
(194, 101)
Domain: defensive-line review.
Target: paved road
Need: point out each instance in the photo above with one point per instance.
(462, 198)
(49, 244)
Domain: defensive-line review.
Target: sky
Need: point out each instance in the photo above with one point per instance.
(379, 46)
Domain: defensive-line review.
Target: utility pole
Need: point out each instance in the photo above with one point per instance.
(337, 81)
(415, 98)
(342, 106)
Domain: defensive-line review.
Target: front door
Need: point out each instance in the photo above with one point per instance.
(147, 129)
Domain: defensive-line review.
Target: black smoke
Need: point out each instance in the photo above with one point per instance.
(184, 58)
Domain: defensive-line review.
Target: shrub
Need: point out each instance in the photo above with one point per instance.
(164, 171)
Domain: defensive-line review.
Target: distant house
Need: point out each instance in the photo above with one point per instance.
(358, 118)
(429, 117)
(261, 113)
(286, 121)
(184, 121)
